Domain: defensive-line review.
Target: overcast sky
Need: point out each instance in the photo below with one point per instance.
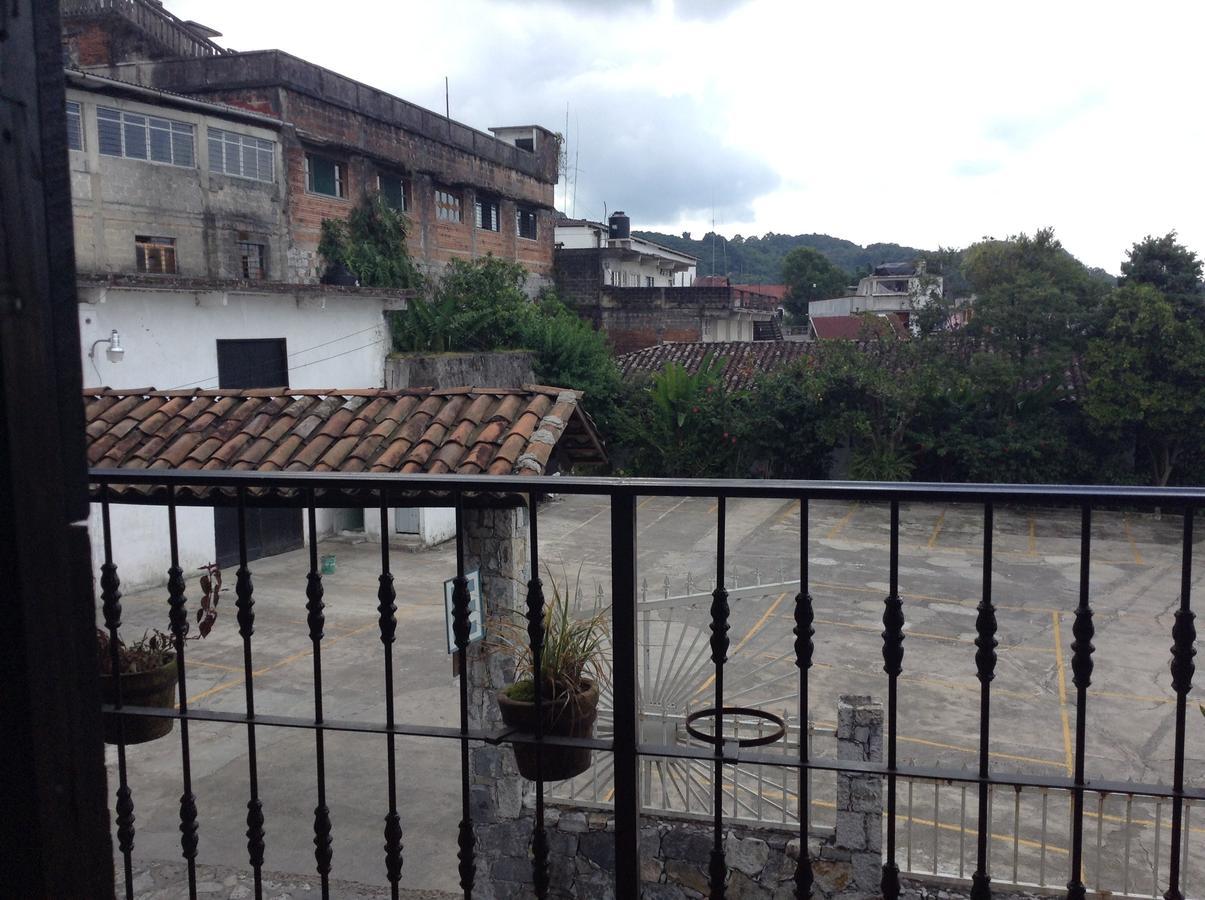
(921, 123)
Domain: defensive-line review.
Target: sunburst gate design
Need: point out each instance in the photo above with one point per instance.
(676, 680)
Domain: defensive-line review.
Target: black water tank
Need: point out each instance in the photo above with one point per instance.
(619, 225)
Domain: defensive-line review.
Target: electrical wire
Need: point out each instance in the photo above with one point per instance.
(266, 368)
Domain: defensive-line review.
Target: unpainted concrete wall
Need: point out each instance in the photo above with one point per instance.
(447, 370)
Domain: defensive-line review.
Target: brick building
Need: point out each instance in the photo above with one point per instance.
(467, 193)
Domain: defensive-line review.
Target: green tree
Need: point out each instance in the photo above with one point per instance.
(371, 243)
(1031, 297)
(477, 305)
(1169, 267)
(568, 352)
(871, 394)
(809, 276)
(1144, 378)
(682, 424)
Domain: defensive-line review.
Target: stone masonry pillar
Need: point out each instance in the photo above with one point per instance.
(496, 544)
(859, 830)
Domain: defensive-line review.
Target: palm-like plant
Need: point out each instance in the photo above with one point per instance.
(573, 654)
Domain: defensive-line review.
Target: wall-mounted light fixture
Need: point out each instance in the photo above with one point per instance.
(114, 352)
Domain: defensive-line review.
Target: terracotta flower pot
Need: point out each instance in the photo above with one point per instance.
(154, 688)
(573, 719)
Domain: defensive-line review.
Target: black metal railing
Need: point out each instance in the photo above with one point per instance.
(310, 491)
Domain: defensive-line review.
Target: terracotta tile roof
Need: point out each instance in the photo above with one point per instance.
(742, 361)
(853, 328)
(467, 431)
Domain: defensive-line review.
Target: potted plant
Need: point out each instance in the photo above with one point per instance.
(148, 678)
(148, 670)
(572, 666)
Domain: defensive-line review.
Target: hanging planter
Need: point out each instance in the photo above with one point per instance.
(571, 715)
(148, 678)
(572, 665)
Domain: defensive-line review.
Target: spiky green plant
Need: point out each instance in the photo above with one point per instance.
(574, 650)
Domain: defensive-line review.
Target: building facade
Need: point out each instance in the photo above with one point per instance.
(642, 294)
(466, 193)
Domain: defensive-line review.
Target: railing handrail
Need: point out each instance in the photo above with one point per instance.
(667, 487)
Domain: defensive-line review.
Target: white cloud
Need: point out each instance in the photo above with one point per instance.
(925, 123)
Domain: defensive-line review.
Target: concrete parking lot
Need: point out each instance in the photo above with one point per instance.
(1134, 582)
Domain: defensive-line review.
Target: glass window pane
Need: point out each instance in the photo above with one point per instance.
(135, 138)
(109, 136)
(215, 152)
(250, 165)
(266, 163)
(182, 149)
(323, 176)
(161, 145)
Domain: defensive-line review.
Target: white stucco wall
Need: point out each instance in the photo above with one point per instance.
(170, 339)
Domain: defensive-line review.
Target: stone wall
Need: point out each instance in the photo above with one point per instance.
(675, 851)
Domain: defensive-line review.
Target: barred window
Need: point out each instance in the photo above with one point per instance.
(447, 206)
(155, 255)
(241, 155)
(525, 223)
(151, 138)
(487, 215)
(75, 127)
(251, 260)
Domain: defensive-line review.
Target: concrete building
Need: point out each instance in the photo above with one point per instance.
(642, 294)
(625, 260)
(889, 288)
(467, 193)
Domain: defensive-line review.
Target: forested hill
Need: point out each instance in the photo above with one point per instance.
(758, 260)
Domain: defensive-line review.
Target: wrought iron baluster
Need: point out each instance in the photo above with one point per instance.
(245, 605)
(804, 650)
(893, 660)
(110, 594)
(460, 635)
(1081, 667)
(178, 617)
(535, 634)
(317, 622)
(625, 691)
(387, 617)
(985, 670)
(1184, 636)
(717, 869)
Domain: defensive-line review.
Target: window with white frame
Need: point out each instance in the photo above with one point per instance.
(241, 155)
(325, 176)
(447, 206)
(75, 126)
(152, 138)
(525, 223)
(487, 214)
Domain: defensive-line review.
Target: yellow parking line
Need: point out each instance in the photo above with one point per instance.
(757, 626)
(288, 660)
(1062, 672)
(936, 530)
(832, 585)
(218, 666)
(919, 634)
(788, 509)
(1130, 537)
(840, 526)
(643, 502)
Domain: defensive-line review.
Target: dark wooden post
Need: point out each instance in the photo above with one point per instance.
(54, 830)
